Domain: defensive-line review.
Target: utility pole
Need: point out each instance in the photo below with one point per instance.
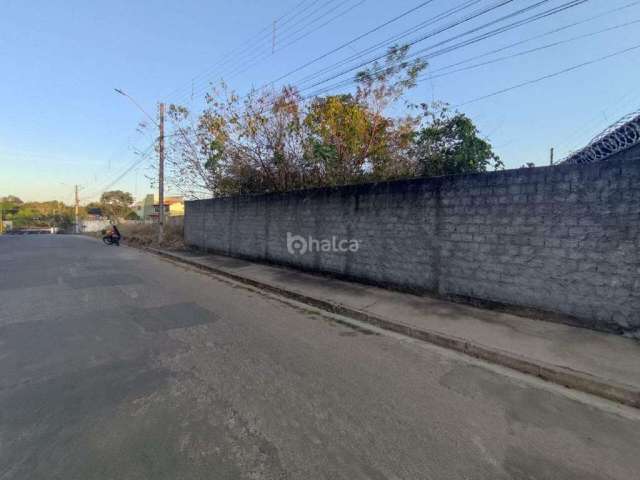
(161, 175)
(551, 156)
(160, 126)
(77, 207)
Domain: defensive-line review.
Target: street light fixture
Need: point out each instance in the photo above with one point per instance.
(125, 94)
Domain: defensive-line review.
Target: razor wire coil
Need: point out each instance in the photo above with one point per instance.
(620, 136)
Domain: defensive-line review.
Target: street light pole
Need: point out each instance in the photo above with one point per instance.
(76, 210)
(160, 126)
(161, 175)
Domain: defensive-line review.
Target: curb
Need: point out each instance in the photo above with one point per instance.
(567, 377)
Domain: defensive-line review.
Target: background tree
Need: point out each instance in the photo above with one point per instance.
(9, 206)
(342, 135)
(449, 143)
(262, 146)
(239, 146)
(352, 137)
(116, 204)
(36, 214)
(274, 140)
(191, 157)
(11, 200)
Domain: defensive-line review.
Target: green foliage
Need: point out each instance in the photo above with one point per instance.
(340, 136)
(450, 144)
(275, 140)
(10, 200)
(116, 204)
(36, 214)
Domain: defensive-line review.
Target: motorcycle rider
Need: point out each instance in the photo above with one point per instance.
(114, 233)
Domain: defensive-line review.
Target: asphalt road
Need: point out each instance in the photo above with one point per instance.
(115, 364)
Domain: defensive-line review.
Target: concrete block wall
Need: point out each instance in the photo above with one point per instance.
(563, 239)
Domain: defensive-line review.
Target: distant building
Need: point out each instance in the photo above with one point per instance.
(173, 207)
(139, 207)
(148, 209)
(94, 214)
(93, 224)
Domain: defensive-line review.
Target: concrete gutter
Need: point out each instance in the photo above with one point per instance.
(578, 380)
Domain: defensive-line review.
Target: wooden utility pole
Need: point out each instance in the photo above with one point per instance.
(161, 175)
(77, 208)
(551, 156)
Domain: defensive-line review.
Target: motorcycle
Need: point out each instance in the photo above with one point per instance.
(111, 239)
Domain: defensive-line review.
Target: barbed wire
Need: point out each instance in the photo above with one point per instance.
(619, 136)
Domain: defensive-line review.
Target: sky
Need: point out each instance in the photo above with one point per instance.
(63, 124)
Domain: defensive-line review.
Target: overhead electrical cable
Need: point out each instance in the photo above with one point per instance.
(352, 41)
(536, 37)
(263, 51)
(394, 39)
(531, 50)
(243, 68)
(551, 75)
(421, 53)
(248, 45)
(138, 161)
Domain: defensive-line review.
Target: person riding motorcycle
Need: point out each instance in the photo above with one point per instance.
(114, 234)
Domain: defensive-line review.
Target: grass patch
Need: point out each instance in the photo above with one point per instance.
(146, 235)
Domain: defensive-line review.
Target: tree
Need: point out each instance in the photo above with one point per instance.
(450, 144)
(352, 138)
(9, 206)
(274, 140)
(39, 214)
(340, 133)
(11, 199)
(238, 146)
(116, 204)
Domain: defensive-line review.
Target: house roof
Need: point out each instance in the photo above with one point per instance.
(620, 136)
(171, 201)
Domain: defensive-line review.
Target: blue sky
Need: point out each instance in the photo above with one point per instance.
(62, 123)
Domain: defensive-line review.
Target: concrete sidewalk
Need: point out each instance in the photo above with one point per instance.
(598, 363)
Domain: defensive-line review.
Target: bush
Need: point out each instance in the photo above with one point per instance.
(146, 234)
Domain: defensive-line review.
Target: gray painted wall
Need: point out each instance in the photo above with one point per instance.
(562, 239)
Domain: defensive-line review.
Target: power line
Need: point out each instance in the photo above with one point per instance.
(456, 23)
(351, 42)
(137, 162)
(261, 51)
(529, 51)
(245, 46)
(261, 54)
(340, 14)
(631, 97)
(391, 40)
(551, 75)
(464, 43)
(243, 68)
(535, 37)
(249, 51)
